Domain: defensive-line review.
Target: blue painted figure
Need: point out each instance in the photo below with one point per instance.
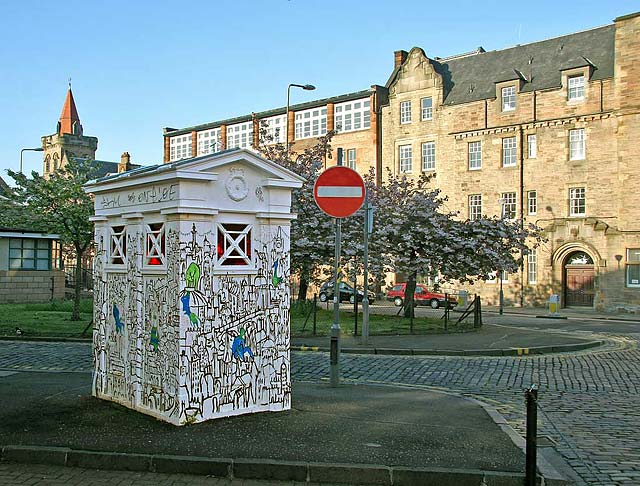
(116, 316)
(238, 348)
(154, 338)
(186, 302)
(275, 280)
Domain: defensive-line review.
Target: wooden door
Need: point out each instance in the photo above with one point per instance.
(579, 285)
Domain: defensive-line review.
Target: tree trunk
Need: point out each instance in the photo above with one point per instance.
(409, 306)
(304, 286)
(75, 314)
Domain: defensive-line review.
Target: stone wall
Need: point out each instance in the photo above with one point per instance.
(31, 286)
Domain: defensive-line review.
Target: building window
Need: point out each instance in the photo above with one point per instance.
(532, 202)
(508, 203)
(426, 108)
(633, 267)
(532, 266)
(180, 147)
(47, 163)
(429, 156)
(577, 201)
(406, 156)
(118, 245)
(532, 144)
(576, 144)
(29, 254)
(351, 158)
(509, 98)
(209, 141)
(475, 155)
(405, 112)
(234, 245)
(240, 135)
(275, 127)
(155, 244)
(475, 206)
(352, 116)
(576, 88)
(311, 123)
(509, 152)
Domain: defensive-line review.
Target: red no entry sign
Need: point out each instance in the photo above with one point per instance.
(339, 191)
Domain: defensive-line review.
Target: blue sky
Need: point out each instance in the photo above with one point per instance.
(138, 66)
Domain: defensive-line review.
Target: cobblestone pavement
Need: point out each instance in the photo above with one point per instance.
(589, 401)
(12, 474)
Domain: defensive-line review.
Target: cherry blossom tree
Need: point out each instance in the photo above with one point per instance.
(417, 235)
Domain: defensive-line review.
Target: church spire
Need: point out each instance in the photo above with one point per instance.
(69, 119)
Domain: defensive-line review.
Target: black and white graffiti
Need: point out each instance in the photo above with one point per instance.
(190, 339)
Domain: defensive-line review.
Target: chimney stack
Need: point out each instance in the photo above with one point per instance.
(125, 163)
(399, 57)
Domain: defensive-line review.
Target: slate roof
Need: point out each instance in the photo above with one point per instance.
(108, 168)
(473, 77)
(592, 47)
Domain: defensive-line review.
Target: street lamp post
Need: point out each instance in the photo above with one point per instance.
(308, 87)
(37, 149)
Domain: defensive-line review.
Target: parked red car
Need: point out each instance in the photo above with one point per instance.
(422, 296)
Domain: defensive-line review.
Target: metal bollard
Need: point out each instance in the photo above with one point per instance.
(531, 395)
(315, 312)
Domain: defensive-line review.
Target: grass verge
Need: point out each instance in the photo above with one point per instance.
(52, 319)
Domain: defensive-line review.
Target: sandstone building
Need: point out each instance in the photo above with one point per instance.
(543, 133)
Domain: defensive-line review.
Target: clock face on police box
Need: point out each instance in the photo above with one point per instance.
(236, 185)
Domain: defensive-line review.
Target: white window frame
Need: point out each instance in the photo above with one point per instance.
(632, 261)
(155, 245)
(577, 144)
(209, 141)
(532, 145)
(240, 135)
(575, 87)
(275, 127)
(532, 266)
(508, 96)
(311, 123)
(237, 245)
(405, 158)
(475, 155)
(428, 156)
(532, 202)
(352, 116)
(508, 205)
(180, 147)
(475, 207)
(577, 202)
(426, 108)
(405, 112)
(351, 158)
(118, 245)
(509, 152)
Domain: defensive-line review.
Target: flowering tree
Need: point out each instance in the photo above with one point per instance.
(419, 236)
(312, 232)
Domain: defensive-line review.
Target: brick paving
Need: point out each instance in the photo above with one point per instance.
(12, 474)
(590, 401)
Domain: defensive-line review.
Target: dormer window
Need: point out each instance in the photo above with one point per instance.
(576, 88)
(509, 98)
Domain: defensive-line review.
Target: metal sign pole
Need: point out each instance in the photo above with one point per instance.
(365, 300)
(335, 328)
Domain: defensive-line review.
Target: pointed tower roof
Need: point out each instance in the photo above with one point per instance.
(69, 117)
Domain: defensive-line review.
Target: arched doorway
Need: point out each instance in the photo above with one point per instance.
(579, 273)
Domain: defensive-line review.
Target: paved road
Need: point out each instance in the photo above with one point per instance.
(590, 400)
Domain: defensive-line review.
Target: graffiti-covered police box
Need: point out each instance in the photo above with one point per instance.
(191, 295)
